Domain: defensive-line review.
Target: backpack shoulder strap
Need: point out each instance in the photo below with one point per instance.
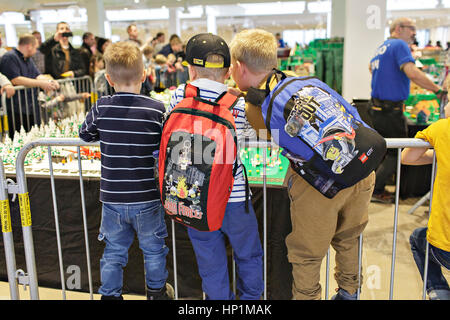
(280, 75)
(190, 91)
(227, 100)
(257, 96)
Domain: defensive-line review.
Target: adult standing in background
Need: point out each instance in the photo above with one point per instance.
(86, 49)
(102, 44)
(61, 58)
(133, 34)
(174, 46)
(280, 41)
(18, 67)
(38, 57)
(393, 68)
(160, 39)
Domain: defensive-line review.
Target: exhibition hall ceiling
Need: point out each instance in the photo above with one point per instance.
(24, 5)
(229, 9)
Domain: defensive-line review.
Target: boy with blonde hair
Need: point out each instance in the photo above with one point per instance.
(437, 234)
(208, 62)
(128, 126)
(317, 221)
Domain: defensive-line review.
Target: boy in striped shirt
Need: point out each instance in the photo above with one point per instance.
(208, 62)
(128, 126)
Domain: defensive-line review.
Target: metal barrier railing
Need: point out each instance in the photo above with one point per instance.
(8, 241)
(24, 109)
(399, 144)
(21, 190)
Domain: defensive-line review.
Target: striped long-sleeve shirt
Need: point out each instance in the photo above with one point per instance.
(210, 90)
(129, 128)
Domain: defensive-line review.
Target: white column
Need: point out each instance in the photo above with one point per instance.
(433, 35)
(108, 30)
(211, 21)
(364, 32)
(96, 17)
(36, 23)
(337, 23)
(174, 22)
(10, 34)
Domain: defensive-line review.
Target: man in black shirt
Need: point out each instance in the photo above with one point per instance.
(20, 69)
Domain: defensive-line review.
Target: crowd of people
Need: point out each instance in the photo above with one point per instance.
(38, 63)
(317, 222)
(129, 128)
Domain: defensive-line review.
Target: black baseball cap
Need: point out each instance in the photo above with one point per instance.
(200, 46)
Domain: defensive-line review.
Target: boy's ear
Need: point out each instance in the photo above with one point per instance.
(108, 78)
(228, 73)
(192, 72)
(240, 67)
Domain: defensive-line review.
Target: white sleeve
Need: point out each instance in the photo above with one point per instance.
(4, 80)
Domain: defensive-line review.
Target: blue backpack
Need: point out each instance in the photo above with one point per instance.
(321, 134)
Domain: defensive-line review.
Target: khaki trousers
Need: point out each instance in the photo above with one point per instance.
(317, 223)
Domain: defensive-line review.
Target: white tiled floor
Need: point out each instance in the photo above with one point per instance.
(377, 252)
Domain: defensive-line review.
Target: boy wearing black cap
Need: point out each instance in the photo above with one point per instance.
(208, 62)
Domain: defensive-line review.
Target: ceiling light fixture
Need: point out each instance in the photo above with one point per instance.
(186, 9)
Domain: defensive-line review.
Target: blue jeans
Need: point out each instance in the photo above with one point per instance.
(241, 228)
(118, 226)
(436, 259)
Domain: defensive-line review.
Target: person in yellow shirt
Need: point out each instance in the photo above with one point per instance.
(438, 231)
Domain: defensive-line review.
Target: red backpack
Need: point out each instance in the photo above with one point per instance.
(197, 160)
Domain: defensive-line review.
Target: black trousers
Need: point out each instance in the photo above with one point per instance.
(389, 124)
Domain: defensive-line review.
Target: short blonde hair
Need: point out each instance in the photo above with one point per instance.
(256, 48)
(160, 59)
(124, 63)
(398, 22)
(171, 57)
(215, 74)
(148, 50)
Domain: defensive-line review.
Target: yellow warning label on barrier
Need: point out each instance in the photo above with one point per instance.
(25, 212)
(5, 216)
(5, 124)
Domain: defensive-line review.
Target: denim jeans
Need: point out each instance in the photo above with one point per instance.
(437, 258)
(241, 228)
(119, 224)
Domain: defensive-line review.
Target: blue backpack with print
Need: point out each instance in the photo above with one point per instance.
(322, 135)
